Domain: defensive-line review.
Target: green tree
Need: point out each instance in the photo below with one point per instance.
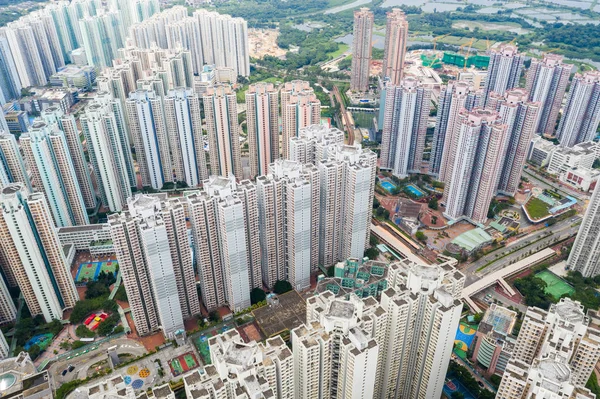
(282, 286)
(433, 203)
(457, 395)
(214, 316)
(372, 253)
(421, 236)
(83, 332)
(257, 295)
(34, 351)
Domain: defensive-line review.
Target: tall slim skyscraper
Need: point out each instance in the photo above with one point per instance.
(581, 114)
(220, 111)
(58, 121)
(226, 248)
(262, 119)
(361, 50)
(182, 115)
(149, 132)
(288, 223)
(453, 98)
(148, 249)
(394, 51)
(51, 165)
(584, 256)
(13, 165)
(3, 124)
(30, 245)
(26, 56)
(520, 117)
(347, 179)
(547, 80)
(299, 108)
(108, 147)
(504, 70)
(405, 126)
(313, 143)
(475, 172)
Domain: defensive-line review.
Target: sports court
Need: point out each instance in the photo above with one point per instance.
(184, 363)
(89, 271)
(463, 340)
(42, 341)
(555, 285)
(202, 346)
(453, 385)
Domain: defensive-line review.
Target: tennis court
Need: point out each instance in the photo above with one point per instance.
(555, 285)
(183, 363)
(89, 271)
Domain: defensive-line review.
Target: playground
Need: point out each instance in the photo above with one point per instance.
(555, 285)
(182, 364)
(41, 340)
(89, 271)
(136, 377)
(465, 335)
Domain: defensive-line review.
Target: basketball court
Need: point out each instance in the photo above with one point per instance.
(182, 364)
(463, 340)
(89, 271)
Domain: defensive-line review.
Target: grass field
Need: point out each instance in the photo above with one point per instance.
(341, 49)
(555, 285)
(537, 208)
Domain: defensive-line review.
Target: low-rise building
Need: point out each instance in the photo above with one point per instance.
(361, 277)
(494, 344)
(94, 238)
(540, 150)
(582, 178)
(74, 77)
(581, 155)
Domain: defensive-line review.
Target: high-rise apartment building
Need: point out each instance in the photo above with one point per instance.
(556, 351)
(149, 132)
(102, 35)
(220, 111)
(472, 182)
(313, 142)
(154, 254)
(49, 160)
(13, 168)
(58, 121)
(29, 65)
(262, 120)
(581, 113)
(547, 80)
(347, 179)
(361, 49)
(584, 256)
(423, 308)
(108, 147)
(288, 200)
(520, 117)
(254, 370)
(299, 108)
(504, 70)
(224, 220)
(224, 41)
(188, 157)
(10, 83)
(453, 98)
(404, 127)
(394, 51)
(8, 310)
(29, 244)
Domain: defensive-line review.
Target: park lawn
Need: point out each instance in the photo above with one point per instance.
(537, 208)
(341, 49)
(336, 3)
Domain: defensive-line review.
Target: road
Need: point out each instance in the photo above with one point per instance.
(346, 121)
(543, 182)
(560, 231)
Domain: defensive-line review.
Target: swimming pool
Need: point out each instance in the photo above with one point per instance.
(414, 191)
(388, 186)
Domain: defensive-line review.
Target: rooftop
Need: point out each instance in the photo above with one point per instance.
(472, 239)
